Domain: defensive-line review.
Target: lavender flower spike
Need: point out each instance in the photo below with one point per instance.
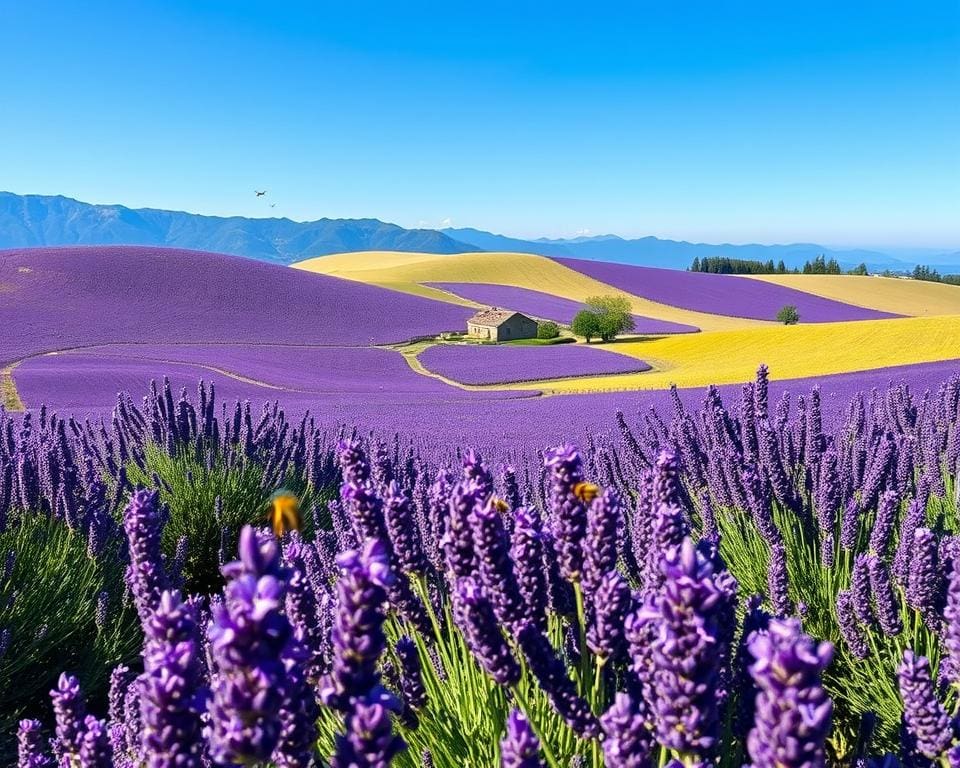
(477, 621)
(923, 713)
(627, 742)
(248, 635)
(31, 747)
(520, 748)
(173, 695)
(143, 524)
(369, 741)
(567, 508)
(793, 712)
(69, 709)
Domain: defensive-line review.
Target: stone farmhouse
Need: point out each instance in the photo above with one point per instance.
(501, 325)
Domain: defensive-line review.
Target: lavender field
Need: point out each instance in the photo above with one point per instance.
(731, 295)
(323, 555)
(478, 365)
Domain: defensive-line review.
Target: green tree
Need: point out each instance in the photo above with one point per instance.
(860, 269)
(788, 315)
(696, 264)
(548, 330)
(613, 315)
(585, 323)
(781, 267)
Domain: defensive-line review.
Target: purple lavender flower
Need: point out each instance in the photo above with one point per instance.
(411, 674)
(600, 547)
(143, 521)
(778, 580)
(627, 742)
(860, 589)
(496, 568)
(883, 523)
(611, 602)
(69, 710)
(457, 541)
(551, 673)
(403, 531)
(477, 621)
(369, 741)
(298, 712)
(520, 748)
(303, 609)
(886, 600)
(924, 580)
(686, 652)
(526, 552)
(95, 748)
(793, 712)
(31, 747)
(248, 635)
(950, 666)
(172, 693)
(568, 511)
(358, 638)
(849, 626)
(924, 715)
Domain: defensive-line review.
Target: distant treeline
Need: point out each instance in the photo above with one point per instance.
(930, 275)
(723, 265)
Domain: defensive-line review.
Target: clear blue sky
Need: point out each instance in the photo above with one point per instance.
(836, 122)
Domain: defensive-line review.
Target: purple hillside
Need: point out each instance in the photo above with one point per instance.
(59, 298)
(729, 295)
(547, 306)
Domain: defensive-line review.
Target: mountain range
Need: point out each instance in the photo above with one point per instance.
(41, 220)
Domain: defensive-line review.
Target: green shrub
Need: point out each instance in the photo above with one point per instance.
(605, 316)
(51, 616)
(788, 315)
(548, 330)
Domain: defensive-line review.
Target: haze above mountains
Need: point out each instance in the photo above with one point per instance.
(40, 220)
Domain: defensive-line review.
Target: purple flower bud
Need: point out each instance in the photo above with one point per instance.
(611, 602)
(520, 748)
(924, 579)
(143, 521)
(526, 552)
(627, 742)
(567, 509)
(31, 747)
(411, 674)
(778, 582)
(793, 712)
(69, 710)
(551, 673)
(477, 621)
(849, 626)
(358, 638)
(923, 713)
(600, 549)
(886, 600)
(403, 531)
(369, 741)
(457, 541)
(172, 691)
(883, 523)
(95, 748)
(248, 635)
(496, 568)
(860, 589)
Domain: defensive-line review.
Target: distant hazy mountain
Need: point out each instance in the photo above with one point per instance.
(36, 220)
(675, 254)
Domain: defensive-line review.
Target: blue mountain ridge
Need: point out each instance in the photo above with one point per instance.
(44, 220)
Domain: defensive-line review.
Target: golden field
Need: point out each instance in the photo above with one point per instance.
(407, 272)
(791, 352)
(887, 294)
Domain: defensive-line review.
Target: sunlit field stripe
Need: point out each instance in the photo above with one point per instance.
(792, 352)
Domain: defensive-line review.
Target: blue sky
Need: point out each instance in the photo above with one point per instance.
(836, 122)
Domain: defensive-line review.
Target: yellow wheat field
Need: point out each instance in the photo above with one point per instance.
(887, 294)
(798, 351)
(407, 272)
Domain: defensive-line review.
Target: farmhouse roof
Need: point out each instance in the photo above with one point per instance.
(492, 317)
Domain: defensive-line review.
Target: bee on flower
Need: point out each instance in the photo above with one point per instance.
(586, 492)
(284, 512)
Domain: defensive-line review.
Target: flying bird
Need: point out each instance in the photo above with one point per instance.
(260, 194)
(273, 205)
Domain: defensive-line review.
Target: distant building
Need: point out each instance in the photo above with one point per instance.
(501, 325)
